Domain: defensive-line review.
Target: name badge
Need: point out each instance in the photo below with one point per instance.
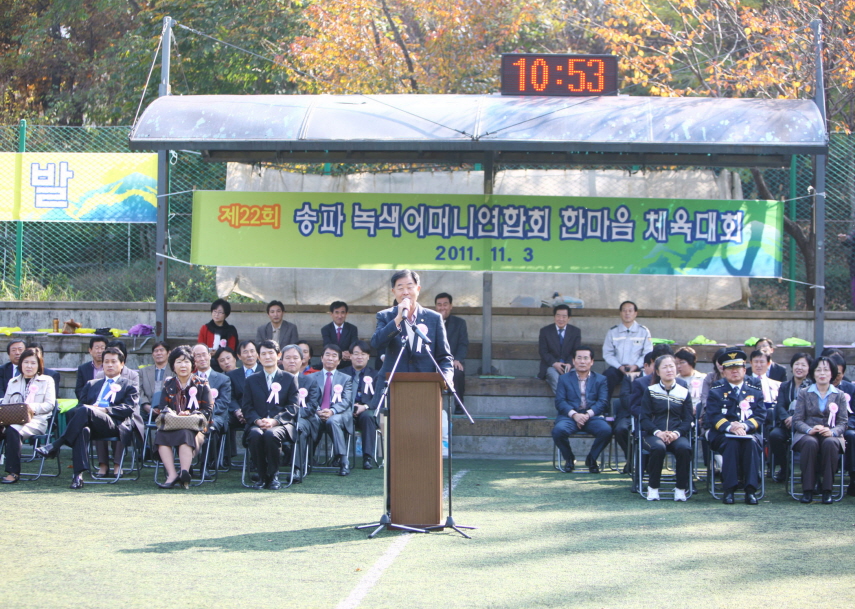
(724, 411)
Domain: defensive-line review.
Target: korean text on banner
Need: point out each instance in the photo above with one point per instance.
(507, 233)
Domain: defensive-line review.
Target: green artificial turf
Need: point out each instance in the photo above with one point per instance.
(544, 539)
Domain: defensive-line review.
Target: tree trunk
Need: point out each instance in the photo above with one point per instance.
(805, 242)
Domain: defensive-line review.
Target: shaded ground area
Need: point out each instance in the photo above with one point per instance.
(544, 540)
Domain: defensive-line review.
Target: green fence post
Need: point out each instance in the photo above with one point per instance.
(792, 265)
(19, 225)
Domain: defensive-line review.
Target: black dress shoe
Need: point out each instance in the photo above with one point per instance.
(750, 499)
(184, 478)
(781, 475)
(826, 498)
(366, 463)
(13, 480)
(344, 467)
(48, 451)
(569, 466)
(168, 484)
(76, 482)
(627, 469)
(728, 498)
(297, 478)
(807, 497)
(274, 484)
(850, 490)
(260, 484)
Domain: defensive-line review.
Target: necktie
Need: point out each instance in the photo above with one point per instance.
(560, 339)
(338, 335)
(269, 380)
(105, 391)
(358, 380)
(325, 402)
(15, 371)
(158, 374)
(247, 372)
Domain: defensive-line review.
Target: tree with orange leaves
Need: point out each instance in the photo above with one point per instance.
(726, 48)
(413, 46)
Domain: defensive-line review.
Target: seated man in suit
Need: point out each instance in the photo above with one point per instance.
(557, 343)
(134, 378)
(151, 380)
(14, 349)
(776, 372)
(336, 401)
(581, 400)
(86, 372)
(364, 389)
(734, 417)
(248, 355)
(109, 409)
(222, 385)
(308, 423)
(340, 332)
(283, 332)
(458, 341)
(625, 346)
(760, 366)
(405, 318)
(270, 407)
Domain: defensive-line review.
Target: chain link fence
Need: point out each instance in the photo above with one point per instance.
(115, 261)
(102, 261)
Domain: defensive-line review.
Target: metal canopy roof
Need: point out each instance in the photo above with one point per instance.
(470, 128)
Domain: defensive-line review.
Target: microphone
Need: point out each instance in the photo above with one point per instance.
(405, 312)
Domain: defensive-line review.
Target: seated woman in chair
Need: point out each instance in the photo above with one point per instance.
(666, 425)
(779, 437)
(819, 421)
(183, 394)
(37, 390)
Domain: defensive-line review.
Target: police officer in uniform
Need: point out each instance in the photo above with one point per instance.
(734, 417)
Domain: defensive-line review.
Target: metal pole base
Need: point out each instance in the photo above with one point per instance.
(385, 522)
(450, 524)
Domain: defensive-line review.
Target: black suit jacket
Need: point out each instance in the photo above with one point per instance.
(550, 349)
(238, 379)
(777, 372)
(124, 408)
(6, 376)
(458, 337)
(360, 396)
(254, 404)
(85, 373)
(349, 335)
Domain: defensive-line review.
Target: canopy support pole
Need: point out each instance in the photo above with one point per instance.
(160, 263)
(819, 200)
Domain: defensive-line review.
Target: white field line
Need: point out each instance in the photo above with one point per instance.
(384, 562)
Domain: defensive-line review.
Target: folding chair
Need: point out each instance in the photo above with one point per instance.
(200, 462)
(557, 458)
(713, 484)
(328, 463)
(641, 475)
(33, 442)
(115, 477)
(288, 448)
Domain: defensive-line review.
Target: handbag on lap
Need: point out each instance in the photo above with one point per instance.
(15, 413)
(169, 421)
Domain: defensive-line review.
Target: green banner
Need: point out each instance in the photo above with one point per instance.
(477, 233)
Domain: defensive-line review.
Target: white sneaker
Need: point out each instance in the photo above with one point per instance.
(652, 494)
(679, 494)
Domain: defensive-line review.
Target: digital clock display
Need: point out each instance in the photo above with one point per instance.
(548, 74)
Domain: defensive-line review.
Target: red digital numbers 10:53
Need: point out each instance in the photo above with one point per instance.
(570, 75)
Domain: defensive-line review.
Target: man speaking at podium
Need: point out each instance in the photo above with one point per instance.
(410, 318)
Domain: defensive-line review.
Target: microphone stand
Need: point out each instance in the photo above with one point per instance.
(449, 521)
(385, 520)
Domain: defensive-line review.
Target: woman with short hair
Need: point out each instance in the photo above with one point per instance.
(218, 332)
(183, 394)
(819, 421)
(667, 415)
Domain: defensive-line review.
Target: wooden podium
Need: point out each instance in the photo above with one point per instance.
(415, 449)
